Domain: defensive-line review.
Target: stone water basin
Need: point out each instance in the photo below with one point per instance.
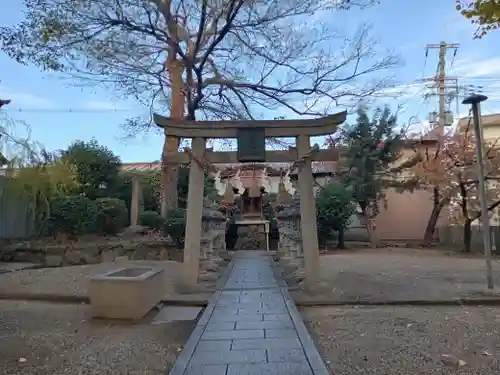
(126, 293)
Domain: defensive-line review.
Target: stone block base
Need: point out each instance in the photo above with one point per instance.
(127, 293)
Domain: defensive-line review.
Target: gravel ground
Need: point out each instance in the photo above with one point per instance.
(39, 338)
(400, 274)
(73, 281)
(404, 340)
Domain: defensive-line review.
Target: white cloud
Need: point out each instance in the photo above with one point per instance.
(102, 105)
(22, 99)
(477, 67)
(401, 91)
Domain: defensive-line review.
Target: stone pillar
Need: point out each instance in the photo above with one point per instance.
(213, 227)
(284, 227)
(193, 217)
(135, 202)
(308, 213)
(296, 235)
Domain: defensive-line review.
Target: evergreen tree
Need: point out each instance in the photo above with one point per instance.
(371, 148)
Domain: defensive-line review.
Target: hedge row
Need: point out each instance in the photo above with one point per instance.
(80, 215)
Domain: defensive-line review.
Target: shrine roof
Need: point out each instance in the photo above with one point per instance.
(229, 128)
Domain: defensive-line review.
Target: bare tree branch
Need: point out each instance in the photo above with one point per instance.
(242, 58)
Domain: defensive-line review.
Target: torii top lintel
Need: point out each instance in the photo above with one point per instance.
(229, 128)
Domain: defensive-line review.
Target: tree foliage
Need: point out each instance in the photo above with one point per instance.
(72, 215)
(210, 59)
(112, 215)
(371, 149)
(227, 51)
(209, 189)
(334, 209)
(454, 172)
(39, 177)
(484, 13)
(97, 167)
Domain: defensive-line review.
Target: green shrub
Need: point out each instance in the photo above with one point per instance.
(111, 215)
(72, 214)
(334, 208)
(152, 219)
(175, 225)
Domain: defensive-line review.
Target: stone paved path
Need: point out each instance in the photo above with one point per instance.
(252, 327)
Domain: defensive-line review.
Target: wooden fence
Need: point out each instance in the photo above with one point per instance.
(16, 219)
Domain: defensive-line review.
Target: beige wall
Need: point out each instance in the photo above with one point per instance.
(406, 215)
(491, 132)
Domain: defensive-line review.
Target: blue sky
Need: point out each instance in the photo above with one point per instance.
(59, 113)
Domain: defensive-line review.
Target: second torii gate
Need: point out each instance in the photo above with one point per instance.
(251, 148)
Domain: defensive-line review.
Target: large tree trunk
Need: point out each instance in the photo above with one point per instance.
(467, 236)
(341, 241)
(369, 224)
(170, 177)
(170, 171)
(431, 224)
(433, 219)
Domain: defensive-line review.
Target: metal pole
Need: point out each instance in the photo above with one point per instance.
(442, 90)
(474, 101)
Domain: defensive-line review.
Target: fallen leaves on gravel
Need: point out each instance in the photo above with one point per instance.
(449, 359)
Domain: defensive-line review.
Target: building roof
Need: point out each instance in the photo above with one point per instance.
(271, 128)
(486, 120)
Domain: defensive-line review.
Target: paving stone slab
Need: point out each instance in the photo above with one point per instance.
(262, 310)
(237, 318)
(301, 368)
(170, 314)
(214, 345)
(206, 370)
(266, 343)
(234, 335)
(276, 317)
(222, 326)
(203, 357)
(286, 355)
(266, 325)
(280, 334)
(250, 328)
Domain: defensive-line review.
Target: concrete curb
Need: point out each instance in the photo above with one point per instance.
(315, 361)
(450, 302)
(312, 354)
(61, 298)
(80, 299)
(43, 297)
(182, 362)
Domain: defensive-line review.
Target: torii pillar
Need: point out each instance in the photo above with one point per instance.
(308, 224)
(194, 212)
(302, 129)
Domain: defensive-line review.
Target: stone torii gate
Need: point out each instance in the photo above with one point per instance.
(251, 137)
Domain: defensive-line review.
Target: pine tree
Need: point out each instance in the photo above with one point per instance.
(372, 148)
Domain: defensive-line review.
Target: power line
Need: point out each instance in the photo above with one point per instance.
(69, 110)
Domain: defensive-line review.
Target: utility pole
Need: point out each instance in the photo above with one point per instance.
(441, 80)
(474, 101)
